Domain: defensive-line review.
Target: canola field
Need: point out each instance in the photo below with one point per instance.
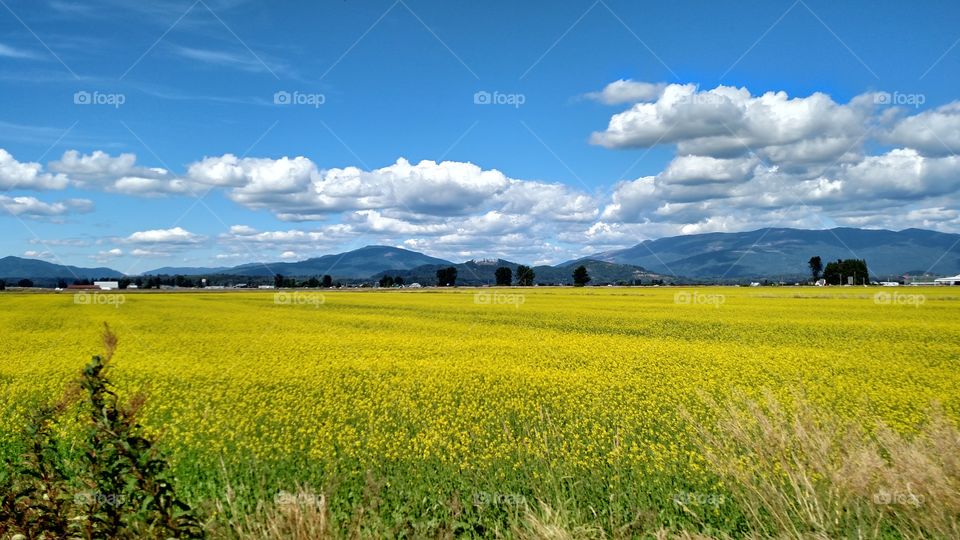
(425, 406)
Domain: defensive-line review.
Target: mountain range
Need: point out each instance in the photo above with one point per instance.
(773, 252)
(765, 253)
(357, 264)
(18, 267)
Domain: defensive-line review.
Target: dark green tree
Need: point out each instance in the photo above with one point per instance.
(580, 276)
(278, 281)
(816, 267)
(525, 276)
(841, 272)
(447, 277)
(386, 281)
(504, 276)
(24, 283)
(327, 281)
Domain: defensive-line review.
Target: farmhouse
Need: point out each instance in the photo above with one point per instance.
(107, 285)
(955, 280)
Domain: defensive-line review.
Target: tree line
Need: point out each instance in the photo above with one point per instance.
(840, 272)
(503, 276)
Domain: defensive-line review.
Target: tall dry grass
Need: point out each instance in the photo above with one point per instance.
(300, 515)
(807, 473)
(794, 472)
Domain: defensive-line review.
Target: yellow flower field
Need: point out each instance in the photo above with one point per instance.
(480, 393)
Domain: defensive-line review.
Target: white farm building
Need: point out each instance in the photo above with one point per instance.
(955, 280)
(107, 285)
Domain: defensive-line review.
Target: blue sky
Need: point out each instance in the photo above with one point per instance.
(216, 132)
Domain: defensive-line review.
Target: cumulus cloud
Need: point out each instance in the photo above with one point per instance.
(730, 122)
(935, 132)
(748, 161)
(698, 170)
(297, 190)
(33, 208)
(627, 91)
(248, 243)
(174, 236)
(118, 174)
(17, 175)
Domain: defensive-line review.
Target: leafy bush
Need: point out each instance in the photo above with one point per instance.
(120, 487)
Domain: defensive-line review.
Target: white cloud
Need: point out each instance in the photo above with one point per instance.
(696, 170)
(728, 122)
(901, 174)
(295, 189)
(627, 91)
(632, 200)
(31, 207)
(245, 242)
(105, 256)
(118, 174)
(935, 132)
(243, 230)
(17, 175)
(175, 236)
(95, 165)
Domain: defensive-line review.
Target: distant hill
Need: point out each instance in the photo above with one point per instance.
(359, 263)
(185, 271)
(468, 273)
(773, 253)
(601, 273)
(20, 268)
(483, 273)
